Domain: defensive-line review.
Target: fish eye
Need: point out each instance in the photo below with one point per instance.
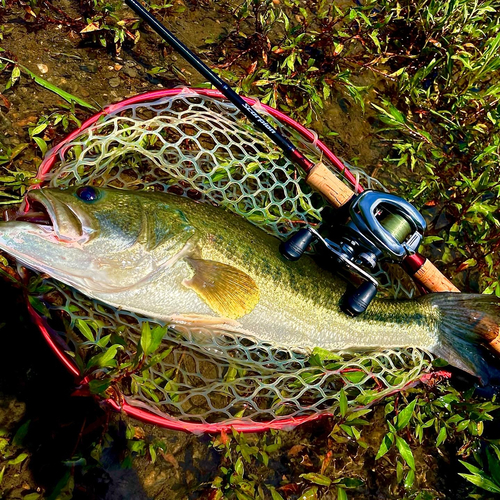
(87, 193)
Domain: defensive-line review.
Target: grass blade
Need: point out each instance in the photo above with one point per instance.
(53, 88)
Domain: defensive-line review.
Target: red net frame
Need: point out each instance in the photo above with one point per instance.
(139, 413)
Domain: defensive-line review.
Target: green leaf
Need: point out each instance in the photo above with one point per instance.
(38, 129)
(403, 418)
(157, 335)
(341, 494)
(472, 468)
(64, 488)
(493, 455)
(19, 436)
(239, 467)
(16, 73)
(343, 403)
(325, 354)
(38, 306)
(3, 471)
(105, 358)
(50, 86)
(32, 496)
(410, 479)
(20, 458)
(350, 482)
(274, 494)
(317, 478)
(405, 451)
(355, 377)
(145, 337)
(85, 330)
(441, 436)
(385, 445)
(399, 471)
(104, 341)
(356, 414)
(152, 452)
(99, 386)
(41, 144)
(18, 150)
(310, 494)
(481, 482)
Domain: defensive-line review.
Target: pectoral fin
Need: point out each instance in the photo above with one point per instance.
(229, 292)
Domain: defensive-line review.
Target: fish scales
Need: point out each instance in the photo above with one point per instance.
(299, 301)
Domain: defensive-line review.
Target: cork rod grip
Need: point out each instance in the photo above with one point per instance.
(432, 279)
(329, 185)
(495, 344)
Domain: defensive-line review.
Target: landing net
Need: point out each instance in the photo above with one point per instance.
(196, 144)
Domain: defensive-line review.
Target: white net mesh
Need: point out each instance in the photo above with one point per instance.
(201, 147)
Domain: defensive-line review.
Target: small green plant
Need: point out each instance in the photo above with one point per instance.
(106, 28)
(487, 475)
(59, 121)
(434, 417)
(242, 452)
(12, 455)
(292, 55)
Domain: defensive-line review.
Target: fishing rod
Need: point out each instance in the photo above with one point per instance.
(380, 227)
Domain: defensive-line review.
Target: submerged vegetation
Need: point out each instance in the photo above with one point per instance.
(419, 82)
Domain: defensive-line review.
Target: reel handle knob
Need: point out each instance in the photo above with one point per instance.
(296, 245)
(357, 302)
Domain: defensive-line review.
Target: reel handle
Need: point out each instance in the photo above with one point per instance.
(293, 248)
(356, 302)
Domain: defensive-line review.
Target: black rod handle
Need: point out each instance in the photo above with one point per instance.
(290, 151)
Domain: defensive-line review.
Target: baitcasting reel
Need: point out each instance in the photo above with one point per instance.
(380, 227)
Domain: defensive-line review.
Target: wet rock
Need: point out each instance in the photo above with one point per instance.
(114, 82)
(89, 68)
(442, 222)
(43, 68)
(153, 478)
(132, 72)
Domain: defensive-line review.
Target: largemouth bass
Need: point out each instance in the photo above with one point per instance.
(170, 258)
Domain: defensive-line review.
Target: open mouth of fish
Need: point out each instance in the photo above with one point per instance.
(49, 214)
(31, 211)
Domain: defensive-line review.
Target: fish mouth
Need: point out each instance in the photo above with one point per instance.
(41, 208)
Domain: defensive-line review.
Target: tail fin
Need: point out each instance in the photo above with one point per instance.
(467, 323)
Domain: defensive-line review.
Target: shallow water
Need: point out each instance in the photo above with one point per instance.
(34, 386)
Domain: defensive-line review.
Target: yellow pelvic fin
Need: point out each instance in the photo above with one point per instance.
(227, 291)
